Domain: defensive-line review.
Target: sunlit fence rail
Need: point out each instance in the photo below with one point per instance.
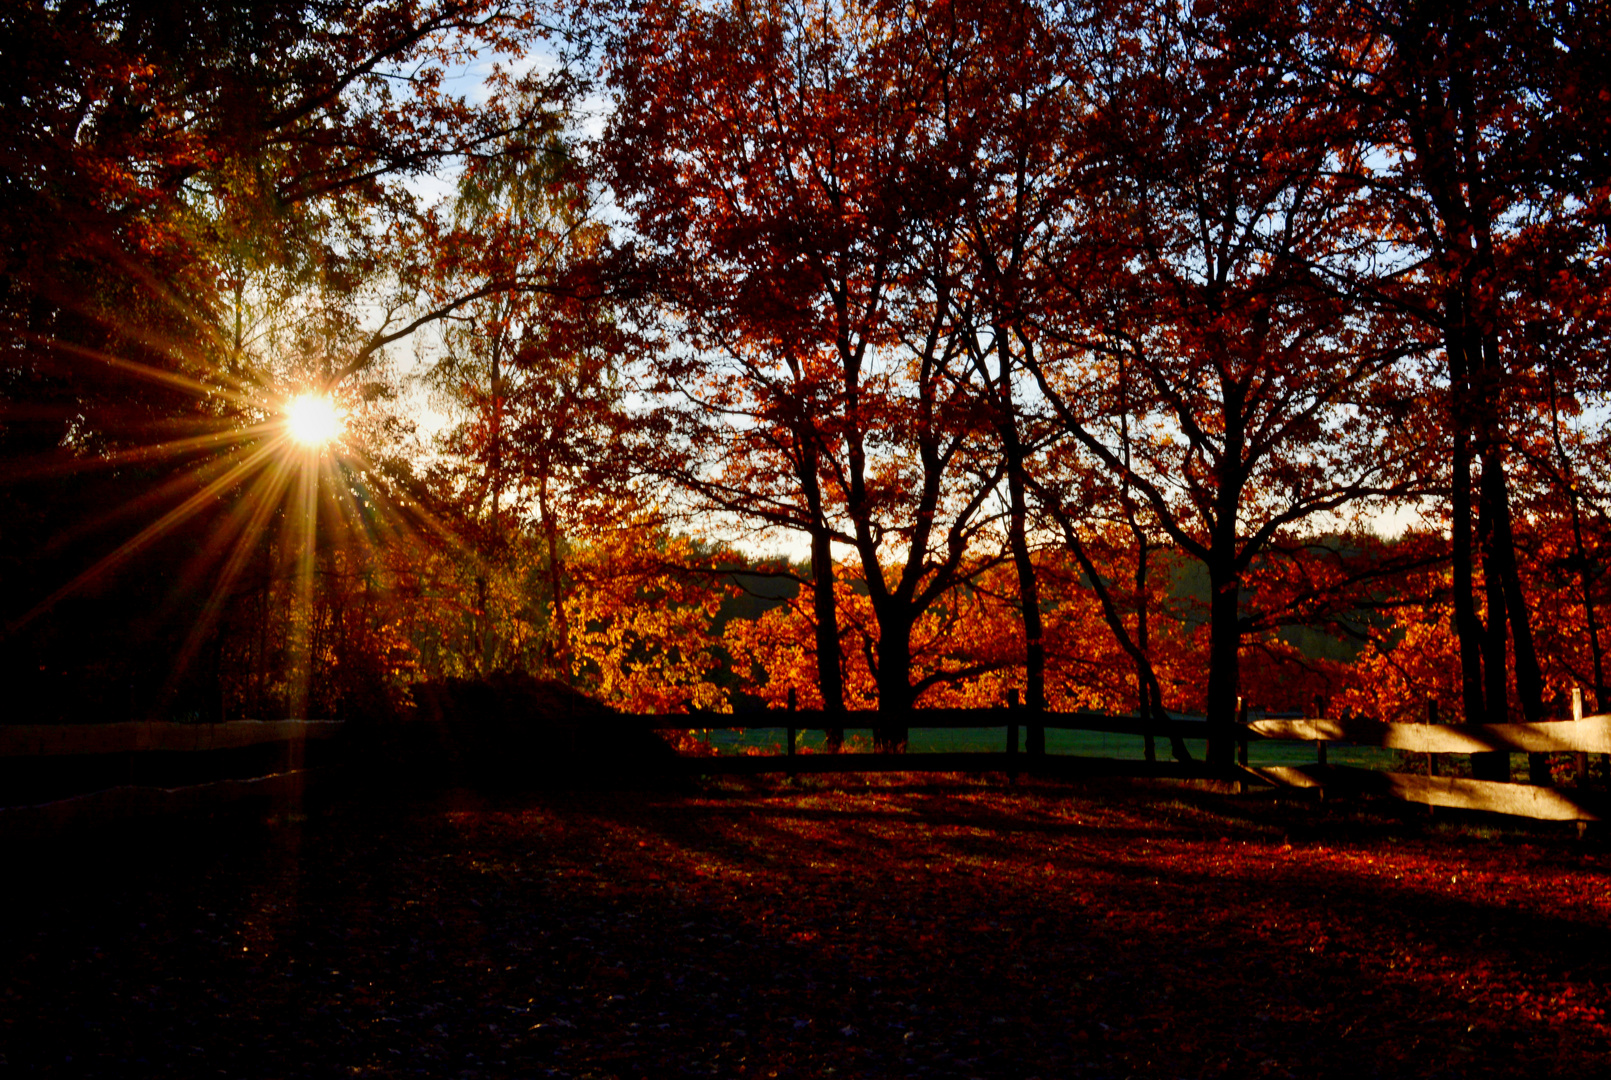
(1425, 744)
(57, 776)
(1421, 744)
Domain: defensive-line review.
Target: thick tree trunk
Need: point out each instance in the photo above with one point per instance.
(1529, 679)
(830, 676)
(1454, 162)
(1012, 447)
(1494, 637)
(894, 678)
(1028, 594)
(1224, 657)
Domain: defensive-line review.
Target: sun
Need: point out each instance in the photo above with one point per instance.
(312, 420)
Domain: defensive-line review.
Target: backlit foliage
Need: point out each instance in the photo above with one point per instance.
(1085, 352)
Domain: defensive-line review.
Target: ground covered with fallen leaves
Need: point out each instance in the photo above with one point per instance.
(828, 927)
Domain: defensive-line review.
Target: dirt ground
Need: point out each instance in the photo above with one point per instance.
(832, 927)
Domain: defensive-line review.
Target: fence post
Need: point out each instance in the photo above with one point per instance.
(1320, 744)
(1580, 760)
(794, 703)
(1538, 772)
(1431, 718)
(1035, 736)
(1241, 742)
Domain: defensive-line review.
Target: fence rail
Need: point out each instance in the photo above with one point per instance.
(1455, 792)
(1590, 735)
(40, 740)
(944, 719)
(1580, 736)
(111, 752)
(131, 802)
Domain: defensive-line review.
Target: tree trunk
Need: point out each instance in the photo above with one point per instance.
(1580, 554)
(1143, 669)
(1475, 644)
(1017, 540)
(1529, 680)
(894, 678)
(1224, 656)
(1495, 765)
(559, 625)
(1149, 694)
(830, 676)
(483, 637)
(1602, 701)
(495, 458)
(824, 604)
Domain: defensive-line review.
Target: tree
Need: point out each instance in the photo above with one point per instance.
(168, 169)
(787, 168)
(1479, 118)
(1215, 306)
(1011, 100)
(536, 360)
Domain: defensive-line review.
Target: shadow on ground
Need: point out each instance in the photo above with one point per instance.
(827, 927)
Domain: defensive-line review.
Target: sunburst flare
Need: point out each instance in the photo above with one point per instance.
(313, 420)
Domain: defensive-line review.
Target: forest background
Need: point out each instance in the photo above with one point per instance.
(1120, 355)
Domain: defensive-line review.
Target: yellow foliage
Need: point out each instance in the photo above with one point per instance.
(641, 624)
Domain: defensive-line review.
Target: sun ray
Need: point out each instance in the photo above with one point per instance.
(269, 488)
(416, 509)
(200, 473)
(261, 490)
(183, 512)
(42, 468)
(242, 398)
(307, 511)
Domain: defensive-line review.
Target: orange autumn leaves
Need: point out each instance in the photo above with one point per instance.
(650, 634)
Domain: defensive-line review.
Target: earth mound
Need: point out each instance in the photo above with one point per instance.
(514, 730)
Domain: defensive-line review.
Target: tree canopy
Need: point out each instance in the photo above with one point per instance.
(1117, 354)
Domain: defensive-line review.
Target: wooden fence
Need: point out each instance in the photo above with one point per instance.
(1014, 756)
(284, 779)
(100, 751)
(40, 740)
(1579, 736)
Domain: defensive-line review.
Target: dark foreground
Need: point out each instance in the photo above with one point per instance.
(948, 928)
